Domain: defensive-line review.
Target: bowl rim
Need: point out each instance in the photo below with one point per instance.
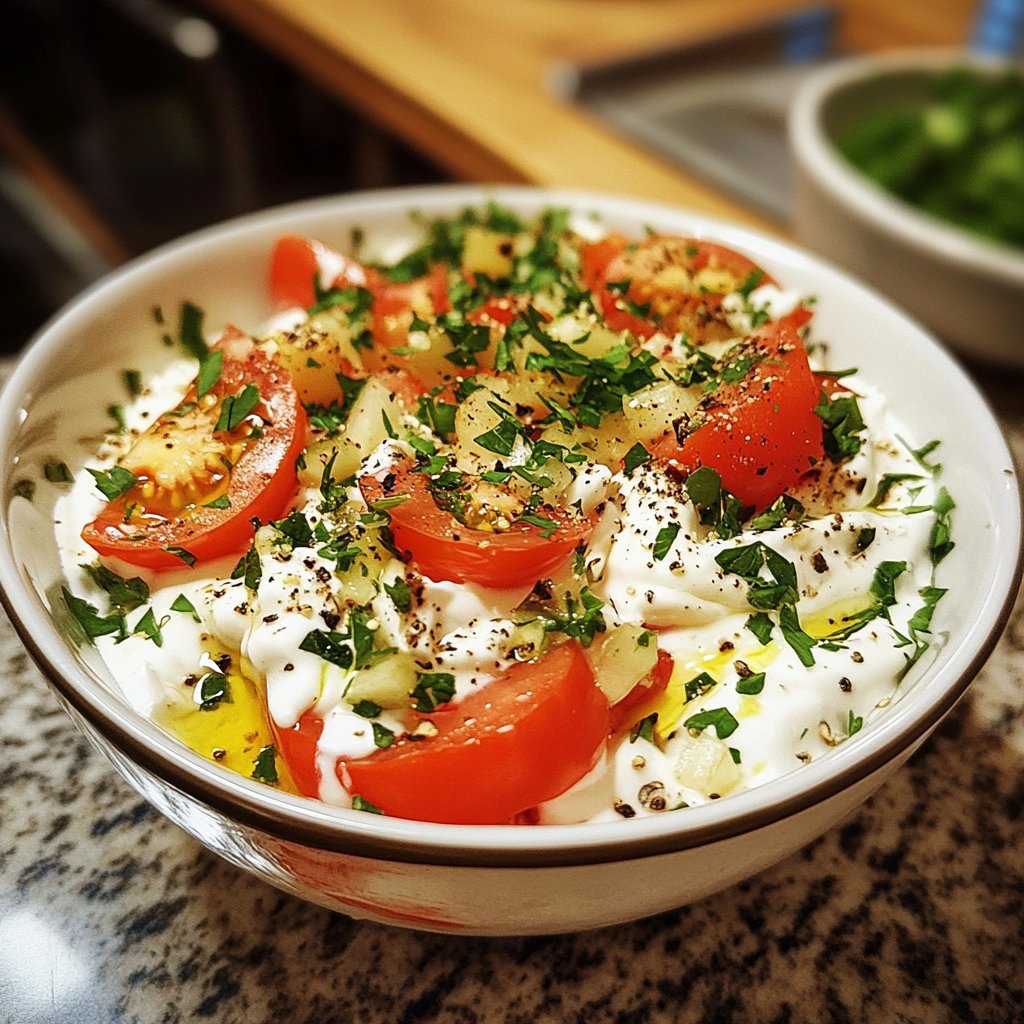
(297, 819)
(817, 155)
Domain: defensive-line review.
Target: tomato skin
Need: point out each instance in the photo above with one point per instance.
(760, 434)
(659, 271)
(445, 550)
(297, 746)
(394, 304)
(262, 482)
(522, 739)
(295, 265)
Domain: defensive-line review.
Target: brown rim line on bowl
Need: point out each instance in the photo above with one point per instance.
(495, 879)
(967, 289)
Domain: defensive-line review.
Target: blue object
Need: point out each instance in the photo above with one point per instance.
(999, 28)
(808, 34)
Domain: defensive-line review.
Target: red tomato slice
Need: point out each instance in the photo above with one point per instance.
(394, 304)
(297, 746)
(445, 549)
(524, 738)
(661, 293)
(295, 264)
(183, 464)
(499, 310)
(760, 434)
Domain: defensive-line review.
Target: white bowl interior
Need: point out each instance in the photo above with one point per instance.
(54, 407)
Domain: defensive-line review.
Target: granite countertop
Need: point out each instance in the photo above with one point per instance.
(910, 911)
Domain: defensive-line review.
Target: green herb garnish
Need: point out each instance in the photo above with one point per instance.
(432, 689)
(265, 766)
(720, 719)
(114, 483)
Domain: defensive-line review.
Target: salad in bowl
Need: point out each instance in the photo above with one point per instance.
(534, 523)
(500, 561)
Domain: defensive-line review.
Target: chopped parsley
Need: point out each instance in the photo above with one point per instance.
(716, 508)
(350, 648)
(843, 423)
(750, 685)
(383, 737)
(699, 685)
(116, 413)
(432, 690)
(249, 568)
(664, 541)
(132, 382)
(772, 585)
(940, 541)
(362, 804)
(183, 605)
(644, 729)
(186, 556)
(637, 456)
(886, 484)
(87, 616)
(209, 371)
(720, 719)
(582, 619)
(214, 689)
(125, 595)
(235, 408)
(400, 594)
(114, 483)
(264, 767)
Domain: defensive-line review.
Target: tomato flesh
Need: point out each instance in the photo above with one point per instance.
(666, 284)
(394, 306)
(760, 434)
(163, 528)
(296, 266)
(446, 550)
(297, 746)
(522, 739)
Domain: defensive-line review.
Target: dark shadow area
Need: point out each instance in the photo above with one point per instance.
(126, 123)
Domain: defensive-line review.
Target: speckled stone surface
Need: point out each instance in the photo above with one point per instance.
(911, 911)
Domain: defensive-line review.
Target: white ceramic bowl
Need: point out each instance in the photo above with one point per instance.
(486, 879)
(969, 291)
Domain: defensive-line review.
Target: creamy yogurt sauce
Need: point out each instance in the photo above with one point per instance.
(699, 611)
(751, 695)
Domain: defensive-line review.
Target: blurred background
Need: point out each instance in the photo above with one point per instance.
(126, 123)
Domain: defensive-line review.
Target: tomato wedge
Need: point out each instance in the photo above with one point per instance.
(666, 283)
(445, 549)
(296, 264)
(522, 739)
(297, 746)
(197, 488)
(760, 434)
(396, 302)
